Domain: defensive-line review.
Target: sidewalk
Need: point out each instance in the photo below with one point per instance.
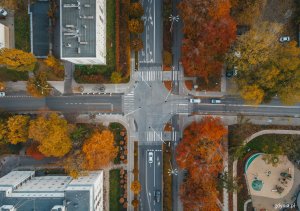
(203, 93)
(128, 123)
(109, 88)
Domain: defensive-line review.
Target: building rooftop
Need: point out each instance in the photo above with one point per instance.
(26, 192)
(78, 28)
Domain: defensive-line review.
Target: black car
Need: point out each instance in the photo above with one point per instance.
(231, 72)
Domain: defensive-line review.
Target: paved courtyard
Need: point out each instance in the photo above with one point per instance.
(270, 185)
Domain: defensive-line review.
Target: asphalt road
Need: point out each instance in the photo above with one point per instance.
(235, 105)
(66, 104)
(152, 35)
(150, 176)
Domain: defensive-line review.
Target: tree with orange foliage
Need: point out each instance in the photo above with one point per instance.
(135, 187)
(99, 150)
(209, 31)
(199, 194)
(33, 152)
(201, 150)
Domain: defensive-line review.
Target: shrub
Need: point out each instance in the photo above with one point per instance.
(136, 10)
(137, 44)
(116, 77)
(136, 26)
(167, 58)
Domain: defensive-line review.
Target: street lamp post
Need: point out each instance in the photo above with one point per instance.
(44, 88)
(172, 171)
(172, 19)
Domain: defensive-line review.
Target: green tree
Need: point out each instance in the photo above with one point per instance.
(17, 129)
(136, 10)
(78, 135)
(17, 59)
(231, 184)
(136, 26)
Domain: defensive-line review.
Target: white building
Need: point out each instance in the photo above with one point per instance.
(4, 36)
(22, 190)
(83, 31)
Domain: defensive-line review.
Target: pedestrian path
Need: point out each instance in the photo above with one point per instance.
(128, 102)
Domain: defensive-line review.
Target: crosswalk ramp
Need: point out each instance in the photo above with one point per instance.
(128, 102)
(150, 75)
(175, 75)
(154, 136)
(180, 108)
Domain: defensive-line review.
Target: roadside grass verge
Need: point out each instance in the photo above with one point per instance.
(12, 75)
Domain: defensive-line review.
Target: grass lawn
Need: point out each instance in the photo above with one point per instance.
(22, 27)
(104, 70)
(114, 191)
(12, 75)
(116, 128)
(167, 184)
(270, 140)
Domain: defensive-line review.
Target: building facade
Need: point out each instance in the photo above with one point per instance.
(83, 31)
(22, 191)
(4, 36)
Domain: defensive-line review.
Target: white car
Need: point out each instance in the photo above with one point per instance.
(150, 157)
(285, 39)
(2, 94)
(3, 12)
(195, 100)
(215, 101)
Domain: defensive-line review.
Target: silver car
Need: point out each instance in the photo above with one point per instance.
(3, 12)
(150, 157)
(284, 39)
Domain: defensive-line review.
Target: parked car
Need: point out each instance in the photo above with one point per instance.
(284, 39)
(215, 101)
(3, 12)
(2, 94)
(230, 72)
(193, 100)
(157, 196)
(150, 157)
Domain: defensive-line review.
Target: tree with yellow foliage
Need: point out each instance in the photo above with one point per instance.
(3, 130)
(17, 129)
(74, 164)
(2, 86)
(17, 59)
(57, 67)
(38, 86)
(99, 150)
(135, 187)
(52, 133)
(252, 94)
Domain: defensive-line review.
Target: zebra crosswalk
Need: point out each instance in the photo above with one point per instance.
(161, 136)
(128, 102)
(151, 75)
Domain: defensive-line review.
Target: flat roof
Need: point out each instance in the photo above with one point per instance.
(78, 28)
(40, 28)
